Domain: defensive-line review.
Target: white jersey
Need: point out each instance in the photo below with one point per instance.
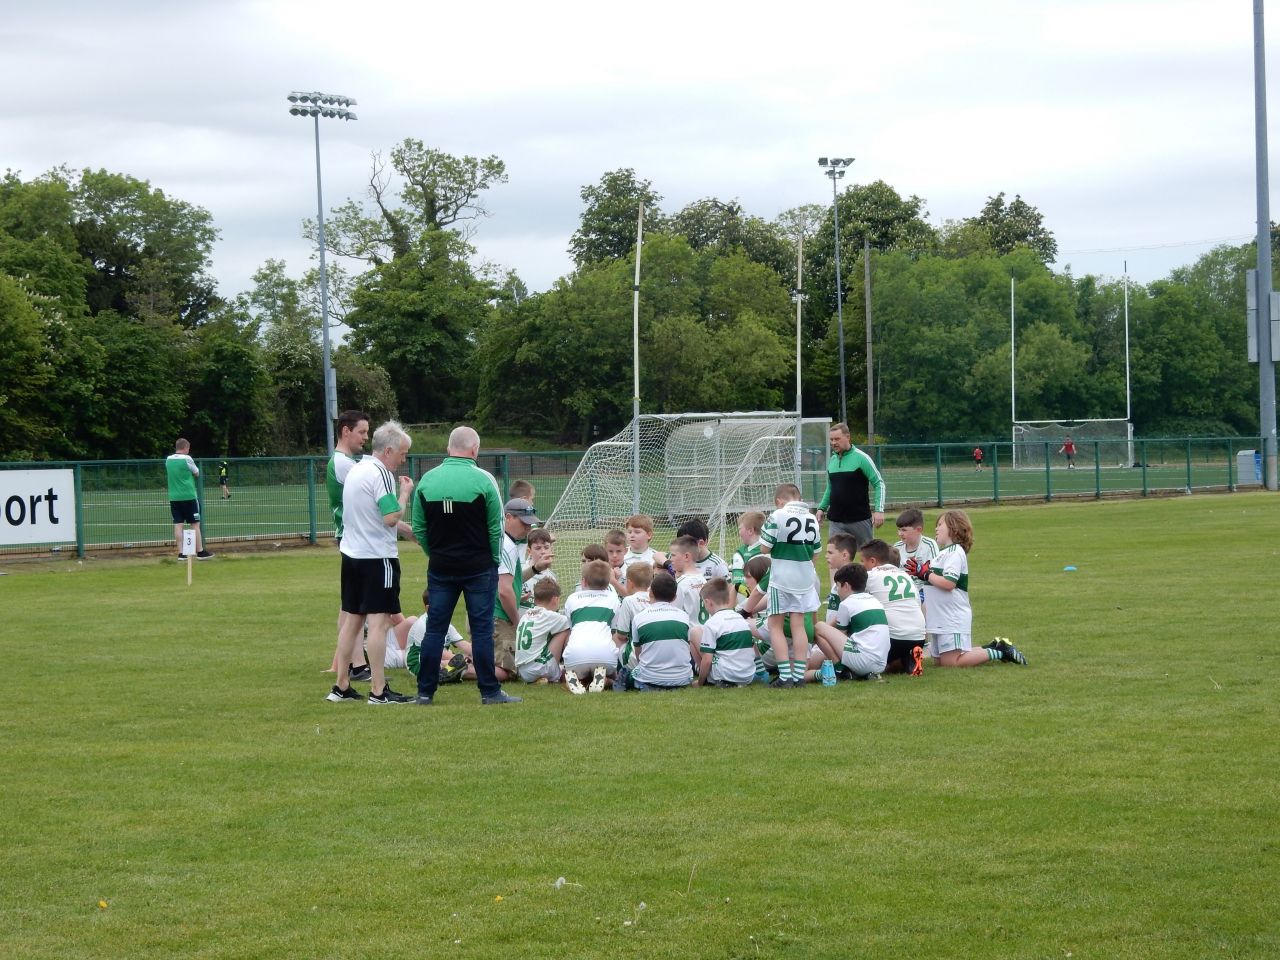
(792, 537)
(862, 619)
(833, 603)
(591, 614)
(627, 610)
(712, 566)
(368, 495)
(526, 588)
(688, 599)
(925, 550)
(896, 591)
(419, 630)
(948, 611)
(533, 636)
(660, 638)
(727, 637)
(510, 563)
(644, 556)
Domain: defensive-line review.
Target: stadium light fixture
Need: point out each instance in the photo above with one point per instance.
(317, 105)
(834, 167)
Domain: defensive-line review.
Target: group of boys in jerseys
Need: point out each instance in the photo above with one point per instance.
(641, 619)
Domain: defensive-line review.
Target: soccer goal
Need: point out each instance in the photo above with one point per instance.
(1036, 440)
(675, 467)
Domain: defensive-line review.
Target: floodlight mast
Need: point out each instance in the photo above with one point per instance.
(1266, 366)
(834, 167)
(330, 105)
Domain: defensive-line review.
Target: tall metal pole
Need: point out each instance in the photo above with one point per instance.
(871, 385)
(835, 174)
(1013, 379)
(799, 314)
(1266, 367)
(635, 369)
(1128, 391)
(330, 384)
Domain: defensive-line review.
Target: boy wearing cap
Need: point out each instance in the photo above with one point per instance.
(518, 518)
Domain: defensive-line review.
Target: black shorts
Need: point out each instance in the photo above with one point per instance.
(185, 511)
(370, 586)
(222, 481)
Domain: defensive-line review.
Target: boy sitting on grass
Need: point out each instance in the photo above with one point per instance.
(859, 638)
(894, 589)
(541, 636)
(708, 564)
(639, 531)
(541, 555)
(727, 646)
(639, 578)
(660, 636)
(749, 525)
(688, 580)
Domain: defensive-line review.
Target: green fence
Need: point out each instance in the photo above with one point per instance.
(123, 503)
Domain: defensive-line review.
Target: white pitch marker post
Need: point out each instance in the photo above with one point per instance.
(189, 548)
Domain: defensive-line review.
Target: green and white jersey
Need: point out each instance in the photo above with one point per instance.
(181, 472)
(592, 611)
(896, 591)
(688, 586)
(791, 533)
(727, 637)
(948, 611)
(712, 565)
(865, 623)
(368, 495)
(738, 565)
(660, 638)
(533, 636)
(511, 561)
(925, 550)
(526, 588)
(335, 475)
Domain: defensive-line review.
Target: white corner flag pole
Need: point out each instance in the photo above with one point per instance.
(635, 369)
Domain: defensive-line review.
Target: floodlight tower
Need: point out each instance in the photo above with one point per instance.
(834, 167)
(316, 105)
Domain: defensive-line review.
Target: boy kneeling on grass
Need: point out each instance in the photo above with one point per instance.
(664, 641)
(541, 636)
(859, 637)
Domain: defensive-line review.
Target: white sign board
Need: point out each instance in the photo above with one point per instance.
(189, 542)
(37, 506)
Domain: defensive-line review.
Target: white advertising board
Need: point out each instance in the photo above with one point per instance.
(37, 506)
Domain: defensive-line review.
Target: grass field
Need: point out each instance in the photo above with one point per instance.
(174, 783)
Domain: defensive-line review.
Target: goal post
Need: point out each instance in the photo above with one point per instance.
(676, 467)
(1036, 440)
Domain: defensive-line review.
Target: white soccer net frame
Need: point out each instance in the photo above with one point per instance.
(1032, 438)
(713, 466)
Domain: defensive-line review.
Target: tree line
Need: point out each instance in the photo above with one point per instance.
(117, 340)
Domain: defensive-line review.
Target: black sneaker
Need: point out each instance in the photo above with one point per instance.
(452, 671)
(1010, 654)
(337, 695)
(361, 673)
(779, 684)
(422, 701)
(182, 556)
(500, 697)
(388, 696)
(204, 555)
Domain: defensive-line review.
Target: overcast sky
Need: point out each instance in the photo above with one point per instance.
(1128, 123)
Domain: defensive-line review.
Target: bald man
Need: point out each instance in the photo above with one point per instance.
(457, 519)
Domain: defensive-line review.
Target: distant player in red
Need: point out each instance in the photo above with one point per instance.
(977, 458)
(1068, 450)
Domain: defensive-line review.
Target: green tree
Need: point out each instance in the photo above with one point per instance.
(608, 227)
(24, 374)
(1010, 225)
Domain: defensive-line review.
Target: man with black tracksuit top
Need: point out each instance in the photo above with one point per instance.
(457, 518)
(854, 498)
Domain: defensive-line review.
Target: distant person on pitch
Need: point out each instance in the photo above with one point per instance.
(1068, 450)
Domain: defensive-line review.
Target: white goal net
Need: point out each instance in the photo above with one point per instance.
(712, 466)
(1034, 441)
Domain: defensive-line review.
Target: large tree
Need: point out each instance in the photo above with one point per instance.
(1014, 224)
(608, 227)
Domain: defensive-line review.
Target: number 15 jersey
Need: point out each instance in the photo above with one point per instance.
(793, 537)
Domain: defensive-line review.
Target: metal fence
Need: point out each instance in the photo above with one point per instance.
(123, 504)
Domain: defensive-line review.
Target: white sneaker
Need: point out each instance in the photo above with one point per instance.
(597, 680)
(575, 685)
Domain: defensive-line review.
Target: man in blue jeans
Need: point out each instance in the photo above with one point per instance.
(457, 518)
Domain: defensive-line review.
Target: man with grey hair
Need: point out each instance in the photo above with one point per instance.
(457, 518)
(371, 509)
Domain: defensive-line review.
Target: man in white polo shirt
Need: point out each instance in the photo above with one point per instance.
(371, 509)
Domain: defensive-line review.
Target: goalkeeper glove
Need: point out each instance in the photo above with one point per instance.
(918, 570)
